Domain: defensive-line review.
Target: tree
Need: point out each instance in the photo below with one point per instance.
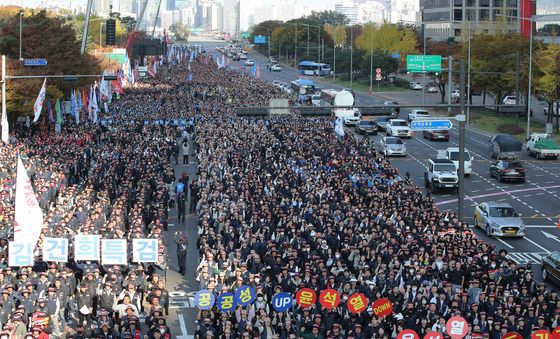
(180, 31)
(328, 17)
(547, 76)
(445, 49)
(44, 37)
(338, 34)
(387, 38)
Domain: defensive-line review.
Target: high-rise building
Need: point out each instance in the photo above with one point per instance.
(170, 5)
(372, 11)
(349, 9)
(450, 19)
(231, 21)
(101, 7)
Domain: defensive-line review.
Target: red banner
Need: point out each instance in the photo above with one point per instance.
(357, 303)
(434, 335)
(329, 298)
(382, 307)
(457, 327)
(306, 297)
(540, 334)
(408, 334)
(512, 335)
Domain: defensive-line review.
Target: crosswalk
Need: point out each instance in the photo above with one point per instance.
(181, 300)
(526, 257)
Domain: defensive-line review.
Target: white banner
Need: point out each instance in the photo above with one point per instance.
(55, 249)
(39, 102)
(20, 254)
(114, 252)
(144, 250)
(86, 247)
(5, 126)
(28, 220)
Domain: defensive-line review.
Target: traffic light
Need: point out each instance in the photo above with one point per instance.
(110, 32)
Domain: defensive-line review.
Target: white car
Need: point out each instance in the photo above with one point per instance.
(509, 100)
(275, 68)
(415, 85)
(249, 63)
(398, 128)
(392, 146)
(243, 56)
(316, 99)
(418, 114)
(431, 88)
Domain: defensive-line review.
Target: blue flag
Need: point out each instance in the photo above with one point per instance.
(191, 59)
(253, 70)
(189, 78)
(73, 108)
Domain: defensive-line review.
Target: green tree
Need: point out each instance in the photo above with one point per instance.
(338, 34)
(328, 17)
(43, 37)
(445, 49)
(180, 31)
(547, 76)
(387, 38)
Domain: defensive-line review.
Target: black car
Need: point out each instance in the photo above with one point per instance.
(551, 267)
(508, 170)
(367, 127)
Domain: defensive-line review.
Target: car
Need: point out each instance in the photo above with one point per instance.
(236, 57)
(276, 82)
(441, 174)
(555, 109)
(398, 128)
(431, 88)
(418, 114)
(551, 267)
(275, 68)
(316, 99)
(395, 105)
(509, 100)
(498, 219)
(272, 60)
(243, 56)
(249, 62)
(436, 135)
(382, 123)
(392, 146)
(508, 170)
(415, 85)
(367, 127)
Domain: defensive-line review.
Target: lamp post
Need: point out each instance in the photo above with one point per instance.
(20, 34)
(371, 60)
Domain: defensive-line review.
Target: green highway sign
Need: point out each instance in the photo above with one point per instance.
(245, 35)
(423, 63)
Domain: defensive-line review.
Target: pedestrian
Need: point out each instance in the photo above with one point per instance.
(185, 152)
(182, 245)
(181, 207)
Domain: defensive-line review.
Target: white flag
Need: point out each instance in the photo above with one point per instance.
(28, 214)
(339, 128)
(39, 102)
(5, 127)
(94, 106)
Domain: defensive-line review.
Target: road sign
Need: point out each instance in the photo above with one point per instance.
(35, 62)
(423, 63)
(378, 71)
(430, 125)
(378, 77)
(259, 39)
(395, 56)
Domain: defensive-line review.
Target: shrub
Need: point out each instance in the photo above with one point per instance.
(510, 129)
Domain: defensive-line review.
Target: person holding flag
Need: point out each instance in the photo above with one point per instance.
(39, 102)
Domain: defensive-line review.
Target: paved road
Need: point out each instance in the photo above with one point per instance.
(537, 200)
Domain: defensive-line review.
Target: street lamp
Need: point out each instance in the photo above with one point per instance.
(20, 34)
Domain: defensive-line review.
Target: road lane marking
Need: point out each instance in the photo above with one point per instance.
(184, 333)
(526, 257)
(539, 246)
(499, 193)
(505, 243)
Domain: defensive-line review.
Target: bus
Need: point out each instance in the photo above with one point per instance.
(303, 89)
(314, 68)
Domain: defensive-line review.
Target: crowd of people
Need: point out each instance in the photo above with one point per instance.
(282, 203)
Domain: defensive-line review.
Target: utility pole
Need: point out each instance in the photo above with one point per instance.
(517, 86)
(449, 82)
(86, 26)
(319, 44)
(100, 34)
(424, 64)
(295, 48)
(334, 52)
(351, 55)
(268, 40)
(371, 60)
(461, 119)
(5, 127)
(20, 34)
(469, 78)
(307, 40)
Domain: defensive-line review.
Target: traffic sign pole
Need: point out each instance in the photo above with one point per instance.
(461, 193)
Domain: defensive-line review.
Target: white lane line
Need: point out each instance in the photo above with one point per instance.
(505, 243)
(475, 191)
(534, 243)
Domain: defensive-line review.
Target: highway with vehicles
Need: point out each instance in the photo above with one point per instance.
(537, 200)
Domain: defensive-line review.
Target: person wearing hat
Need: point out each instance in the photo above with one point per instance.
(107, 298)
(38, 333)
(314, 333)
(84, 300)
(336, 332)
(106, 331)
(19, 328)
(53, 309)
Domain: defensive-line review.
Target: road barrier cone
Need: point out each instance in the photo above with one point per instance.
(558, 223)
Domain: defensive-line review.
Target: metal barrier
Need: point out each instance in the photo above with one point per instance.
(313, 111)
(252, 111)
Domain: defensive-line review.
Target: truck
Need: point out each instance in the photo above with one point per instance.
(452, 153)
(342, 103)
(542, 146)
(505, 146)
(441, 174)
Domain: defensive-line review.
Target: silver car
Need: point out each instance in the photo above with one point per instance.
(392, 146)
(498, 219)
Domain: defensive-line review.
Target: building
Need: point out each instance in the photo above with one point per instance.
(372, 11)
(231, 17)
(445, 19)
(349, 9)
(101, 7)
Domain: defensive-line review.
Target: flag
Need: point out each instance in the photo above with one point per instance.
(191, 59)
(94, 105)
(339, 128)
(73, 106)
(253, 70)
(258, 72)
(39, 102)
(77, 105)
(58, 110)
(155, 63)
(5, 125)
(189, 78)
(151, 70)
(51, 119)
(85, 100)
(28, 220)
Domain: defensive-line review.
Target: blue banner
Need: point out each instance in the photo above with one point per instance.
(245, 295)
(282, 301)
(226, 302)
(204, 299)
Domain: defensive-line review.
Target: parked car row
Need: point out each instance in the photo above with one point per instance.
(282, 85)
